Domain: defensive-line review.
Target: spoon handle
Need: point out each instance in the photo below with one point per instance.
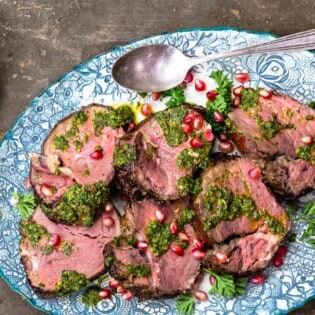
(298, 41)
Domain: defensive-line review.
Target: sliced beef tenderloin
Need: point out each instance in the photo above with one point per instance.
(233, 204)
(52, 252)
(243, 255)
(157, 270)
(161, 156)
(277, 126)
(85, 141)
(48, 183)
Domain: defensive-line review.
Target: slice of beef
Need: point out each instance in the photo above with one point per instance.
(80, 250)
(256, 132)
(84, 148)
(243, 255)
(234, 210)
(157, 167)
(168, 273)
(289, 177)
(48, 184)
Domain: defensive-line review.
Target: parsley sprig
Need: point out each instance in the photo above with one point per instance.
(223, 101)
(177, 96)
(185, 304)
(226, 285)
(308, 216)
(24, 203)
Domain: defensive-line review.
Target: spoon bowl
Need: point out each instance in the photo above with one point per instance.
(156, 68)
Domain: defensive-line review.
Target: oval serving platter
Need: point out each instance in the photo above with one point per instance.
(285, 289)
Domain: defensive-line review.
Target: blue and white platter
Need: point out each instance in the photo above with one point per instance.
(285, 289)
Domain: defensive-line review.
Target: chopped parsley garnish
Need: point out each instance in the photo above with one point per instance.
(188, 185)
(177, 96)
(124, 154)
(138, 270)
(185, 304)
(226, 285)
(91, 296)
(222, 103)
(24, 203)
(71, 281)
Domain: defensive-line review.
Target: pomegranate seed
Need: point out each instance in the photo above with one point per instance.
(212, 280)
(221, 257)
(254, 173)
(46, 190)
(109, 207)
(237, 90)
(201, 295)
(54, 240)
(121, 289)
(282, 250)
(131, 127)
(236, 101)
(226, 146)
(104, 294)
(189, 77)
(108, 221)
(177, 249)
(257, 279)
(156, 96)
(160, 216)
(211, 95)
(183, 237)
(189, 118)
(113, 284)
(208, 134)
(96, 155)
(223, 137)
(142, 245)
(265, 93)
(146, 109)
(242, 77)
(198, 122)
(196, 143)
(218, 117)
(187, 128)
(198, 254)
(198, 244)
(307, 140)
(127, 295)
(174, 228)
(277, 261)
(200, 85)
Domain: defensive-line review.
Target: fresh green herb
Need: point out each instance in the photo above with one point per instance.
(171, 123)
(91, 296)
(124, 154)
(159, 237)
(71, 281)
(185, 304)
(115, 118)
(109, 260)
(222, 103)
(188, 185)
(138, 270)
(226, 285)
(177, 96)
(308, 216)
(24, 203)
(292, 205)
(292, 237)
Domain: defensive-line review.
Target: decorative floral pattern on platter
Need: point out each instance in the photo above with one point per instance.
(286, 288)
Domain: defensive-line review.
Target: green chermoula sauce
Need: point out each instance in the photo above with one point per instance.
(270, 128)
(223, 205)
(91, 296)
(79, 204)
(33, 231)
(159, 237)
(61, 143)
(115, 118)
(71, 281)
(124, 154)
(138, 270)
(249, 98)
(186, 216)
(188, 185)
(171, 121)
(307, 153)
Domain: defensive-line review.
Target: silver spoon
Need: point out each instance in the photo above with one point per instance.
(155, 68)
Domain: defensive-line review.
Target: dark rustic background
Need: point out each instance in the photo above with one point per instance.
(40, 40)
